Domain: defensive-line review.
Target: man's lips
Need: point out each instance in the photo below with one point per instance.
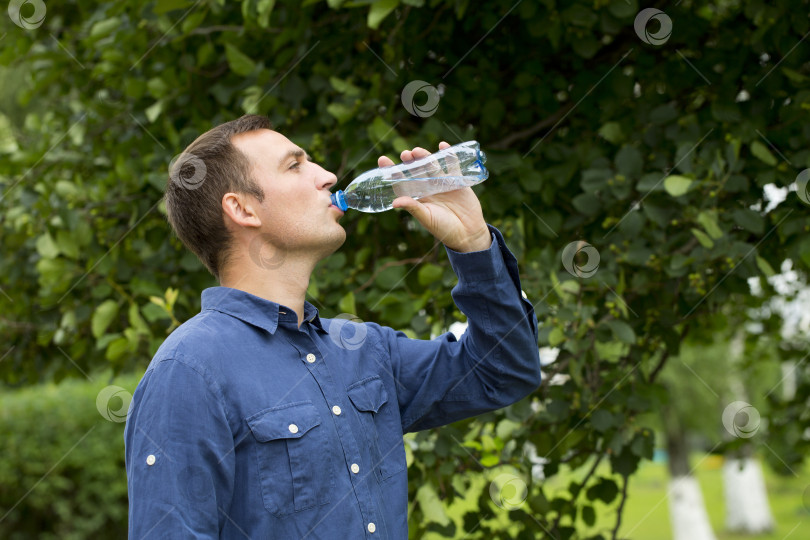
(336, 208)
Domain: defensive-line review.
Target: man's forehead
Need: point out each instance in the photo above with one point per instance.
(264, 142)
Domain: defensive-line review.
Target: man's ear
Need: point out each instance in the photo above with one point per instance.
(240, 209)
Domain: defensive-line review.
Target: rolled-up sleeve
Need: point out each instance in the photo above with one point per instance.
(494, 364)
(179, 455)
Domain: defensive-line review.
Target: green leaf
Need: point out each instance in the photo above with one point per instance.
(622, 331)
(117, 348)
(240, 63)
(154, 111)
(67, 244)
(432, 508)
(429, 273)
(265, 8)
(490, 460)
(703, 238)
(761, 152)
(605, 490)
(765, 267)
(344, 87)
(629, 161)
(347, 304)
(623, 8)
(165, 6)
(677, 185)
(624, 463)
(379, 11)
(612, 132)
(47, 247)
(749, 220)
(102, 28)
(340, 111)
(379, 130)
(709, 222)
(556, 337)
(102, 317)
(587, 203)
(602, 420)
(588, 515)
(135, 319)
(643, 444)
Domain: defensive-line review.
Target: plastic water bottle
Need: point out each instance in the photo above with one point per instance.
(453, 168)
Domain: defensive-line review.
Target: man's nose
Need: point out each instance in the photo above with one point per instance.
(326, 179)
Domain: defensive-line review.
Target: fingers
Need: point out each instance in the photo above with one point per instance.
(416, 153)
(410, 155)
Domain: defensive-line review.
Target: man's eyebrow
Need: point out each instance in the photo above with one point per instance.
(297, 153)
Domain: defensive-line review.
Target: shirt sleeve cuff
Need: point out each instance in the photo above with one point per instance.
(480, 265)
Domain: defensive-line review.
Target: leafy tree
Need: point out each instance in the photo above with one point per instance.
(652, 148)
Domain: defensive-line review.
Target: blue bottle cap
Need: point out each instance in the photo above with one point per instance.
(339, 200)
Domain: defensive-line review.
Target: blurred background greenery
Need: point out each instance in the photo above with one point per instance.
(679, 159)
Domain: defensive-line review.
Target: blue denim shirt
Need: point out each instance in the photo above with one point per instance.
(247, 426)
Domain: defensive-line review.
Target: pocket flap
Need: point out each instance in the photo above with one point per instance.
(285, 422)
(368, 394)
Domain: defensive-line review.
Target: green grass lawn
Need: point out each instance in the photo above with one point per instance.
(646, 515)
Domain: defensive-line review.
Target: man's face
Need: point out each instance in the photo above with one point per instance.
(297, 212)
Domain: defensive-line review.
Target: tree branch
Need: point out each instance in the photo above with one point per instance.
(506, 142)
(225, 28)
(621, 507)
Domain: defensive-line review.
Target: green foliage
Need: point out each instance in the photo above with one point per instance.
(645, 152)
(62, 472)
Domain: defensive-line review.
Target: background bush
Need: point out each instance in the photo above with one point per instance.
(62, 467)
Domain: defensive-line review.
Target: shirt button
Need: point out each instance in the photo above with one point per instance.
(310, 358)
(336, 410)
(372, 527)
(150, 459)
(355, 468)
(293, 428)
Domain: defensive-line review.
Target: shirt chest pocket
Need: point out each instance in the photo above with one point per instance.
(293, 457)
(381, 426)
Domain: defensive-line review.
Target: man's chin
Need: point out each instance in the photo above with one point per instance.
(334, 242)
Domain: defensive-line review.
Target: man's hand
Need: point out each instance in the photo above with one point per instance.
(454, 217)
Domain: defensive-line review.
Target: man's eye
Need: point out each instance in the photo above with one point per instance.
(295, 165)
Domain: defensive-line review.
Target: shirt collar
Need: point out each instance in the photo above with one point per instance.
(255, 310)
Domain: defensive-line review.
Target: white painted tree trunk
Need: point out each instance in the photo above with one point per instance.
(746, 496)
(687, 511)
(747, 508)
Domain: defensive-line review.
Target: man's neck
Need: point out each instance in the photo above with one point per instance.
(285, 285)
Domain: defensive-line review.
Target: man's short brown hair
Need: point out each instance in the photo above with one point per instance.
(202, 174)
